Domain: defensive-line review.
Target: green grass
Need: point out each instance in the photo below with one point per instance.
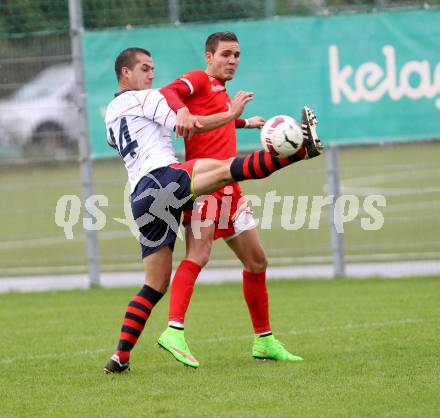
(406, 174)
(370, 349)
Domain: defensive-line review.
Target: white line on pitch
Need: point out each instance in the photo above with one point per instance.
(347, 327)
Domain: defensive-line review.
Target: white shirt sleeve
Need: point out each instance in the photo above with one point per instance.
(155, 107)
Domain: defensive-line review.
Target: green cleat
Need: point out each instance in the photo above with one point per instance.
(173, 340)
(271, 349)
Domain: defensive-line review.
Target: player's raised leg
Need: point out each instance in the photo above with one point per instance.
(210, 175)
(157, 268)
(248, 249)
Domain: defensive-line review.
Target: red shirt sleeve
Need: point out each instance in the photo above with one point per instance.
(174, 93)
(240, 123)
(195, 80)
(188, 84)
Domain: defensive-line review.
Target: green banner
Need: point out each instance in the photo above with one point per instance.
(370, 77)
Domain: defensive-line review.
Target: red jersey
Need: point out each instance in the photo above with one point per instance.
(206, 96)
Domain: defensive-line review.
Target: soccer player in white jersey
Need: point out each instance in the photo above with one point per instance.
(139, 124)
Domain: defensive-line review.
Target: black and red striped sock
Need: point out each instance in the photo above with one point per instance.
(261, 164)
(138, 311)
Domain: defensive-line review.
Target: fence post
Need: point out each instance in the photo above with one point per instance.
(174, 11)
(380, 4)
(337, 239)
(86, 169)
(269, 8)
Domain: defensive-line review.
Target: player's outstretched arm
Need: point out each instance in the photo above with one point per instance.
(255, 122)
(210, 122)
(187, 124)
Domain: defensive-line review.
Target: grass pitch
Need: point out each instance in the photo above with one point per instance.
(371, 349)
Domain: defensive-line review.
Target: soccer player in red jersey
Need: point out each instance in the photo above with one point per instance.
(204, 93)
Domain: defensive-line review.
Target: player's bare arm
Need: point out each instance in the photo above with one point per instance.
(210, 122)
(255, 122)
(188, 124)
(240, 100)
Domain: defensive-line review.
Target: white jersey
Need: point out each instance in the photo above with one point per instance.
(139, 125)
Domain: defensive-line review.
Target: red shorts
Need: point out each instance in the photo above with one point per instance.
(187, 166)
(219, 207)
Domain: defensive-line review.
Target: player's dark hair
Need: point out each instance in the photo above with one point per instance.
(212, 41)
(127, 58)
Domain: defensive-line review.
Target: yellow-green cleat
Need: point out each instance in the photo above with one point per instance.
(173, 340)
(269, 348)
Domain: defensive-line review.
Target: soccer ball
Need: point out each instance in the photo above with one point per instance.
(281, 136)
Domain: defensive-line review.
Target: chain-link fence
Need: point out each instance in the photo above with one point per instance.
(38, 146)
(34, 36)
